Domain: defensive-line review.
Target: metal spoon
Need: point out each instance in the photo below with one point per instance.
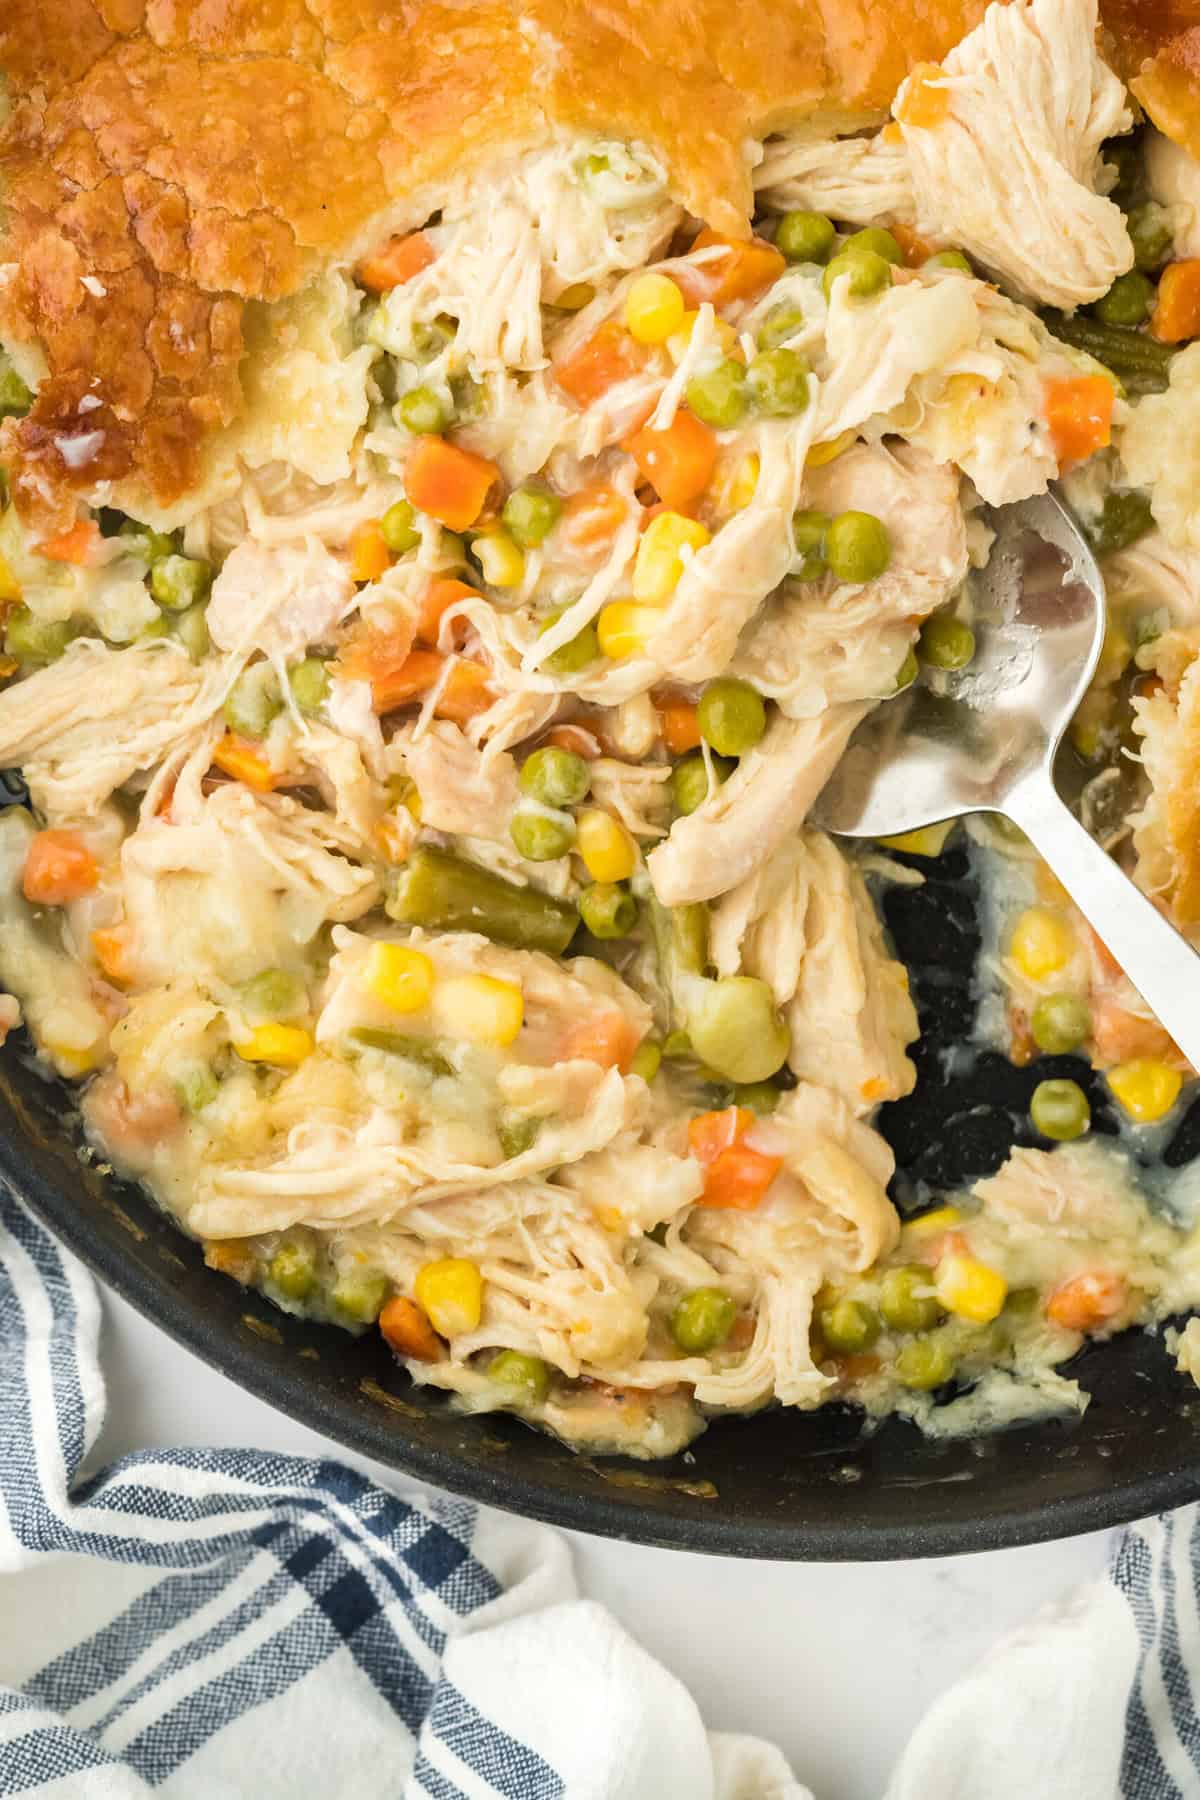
(984, 740)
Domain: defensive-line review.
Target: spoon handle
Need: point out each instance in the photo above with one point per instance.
(1160, 963)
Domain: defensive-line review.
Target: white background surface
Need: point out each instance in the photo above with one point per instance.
(834, 1662)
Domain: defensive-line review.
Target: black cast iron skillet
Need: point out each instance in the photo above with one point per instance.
(781, 1484)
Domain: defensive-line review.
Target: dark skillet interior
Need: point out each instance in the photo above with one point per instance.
(782, 1484)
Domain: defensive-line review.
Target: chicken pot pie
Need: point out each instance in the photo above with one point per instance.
(469, 471)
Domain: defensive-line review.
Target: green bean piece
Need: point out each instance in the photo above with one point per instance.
(868, 273)
(608, 909)
(1059, 1110)
(1124, 517)
(1059, 1023)
(15, 396)
(949, 259)
(34, 640)
(805, 236)
(196, 1088)
(848, 1326)
(903, 1304)
(689, 779)
(191, 628)
(719, 396)
(531, 512)
(924, 1363)
(1129, 300)
(577, 654)
(423, 411)
(875, 240)
(360, 1297)
(646, 1060)
(946, 642)
(1140, 362)
(555, 777)
(417, 1050)
(782, 322)
(541, 839)
(762, 1097)
(857, 546)
(736, 1029)
(907, 673)
(731, 716)
(177, 582)
(293, 1270)
(778, 381)
(688, 932)
(398, 528)
(309, 683)
(253, 701)
(526, 1379)
(1151, 236)
(703, 1319)
(809, 529)
(152, 546)
(516, 1134)
(444, 892)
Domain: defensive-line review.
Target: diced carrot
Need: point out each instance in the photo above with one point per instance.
(373, 653)
(1176, 315)
(925, 103)
(1120, 1036)
(748, 266)
(710, 1133)
(591, 518)
(232, 1256)
(678, 721)
(408, 1332)
(448, 483)
(465, 693)
(736, 1176)
(575, 738)
(246, 763)
(1021, 1047)
(931, 1250)
(77, 545)
(441, 594)
(607, 1038)
(677, 461)
(398, 261)
(58, 867)
(391, 840)
(112, 947)
(369, 555)
(916, 249)
(1087, 1302)
(609, 356)
(1079, 414)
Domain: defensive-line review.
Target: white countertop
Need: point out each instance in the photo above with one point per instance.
(835, 1662)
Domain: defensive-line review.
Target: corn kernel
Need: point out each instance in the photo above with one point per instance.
(70, 1060)
(745, 482)
(10, 587)
(654, 309)
(503, 565)
(451, 1292)
(398, 976)
(479, 1007)
(970, 1289)
(1041, 943)
(930, 840)
(666, 546)
(285, 1045)
(829, 451)
(723, 337)
(624, 629)
(1146, 1088)
(944, 1218)
(608, 851)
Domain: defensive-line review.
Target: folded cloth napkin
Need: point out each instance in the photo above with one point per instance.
(243, 1624)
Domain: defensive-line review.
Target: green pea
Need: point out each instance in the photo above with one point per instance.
(608, 909)
(875, 241)
(31, 639)
(468, 397)
(177, 582)
(719, 396)
(577, 654)
(1128, 301)
(157, 628)
(736, 1029)
(422, 411)
(782, 322)
(430, 337)
(253, 701)
(145, 542)
(946, 642)
(516, 1134)
(924, 1363)
(689, 779)
(272, 994)
(857, 546)
(810, 530)
(731, 716)
(360, 1297)
(805, 236)
(948, 259)
(905, 1307)
(398, 528)
(555, 777)
(646, 1060)
(1151, 236)
(309, 682)
(1125, 517)
(293, 1270)
(703, 1319)
(191, 628)
(868, 274)
(1060, 1110)
(540, 839)
(677, 1047)
(848, 1326)
(526, 1379)
(15, 396)
(760, 1096)
(531, 513)
(1060, 1023)
(778, 380)
(907, 673)
(196, 1088)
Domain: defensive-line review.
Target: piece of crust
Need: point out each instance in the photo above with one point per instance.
(167, 161)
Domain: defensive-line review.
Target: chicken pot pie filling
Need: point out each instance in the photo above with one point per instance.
(417, 879)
